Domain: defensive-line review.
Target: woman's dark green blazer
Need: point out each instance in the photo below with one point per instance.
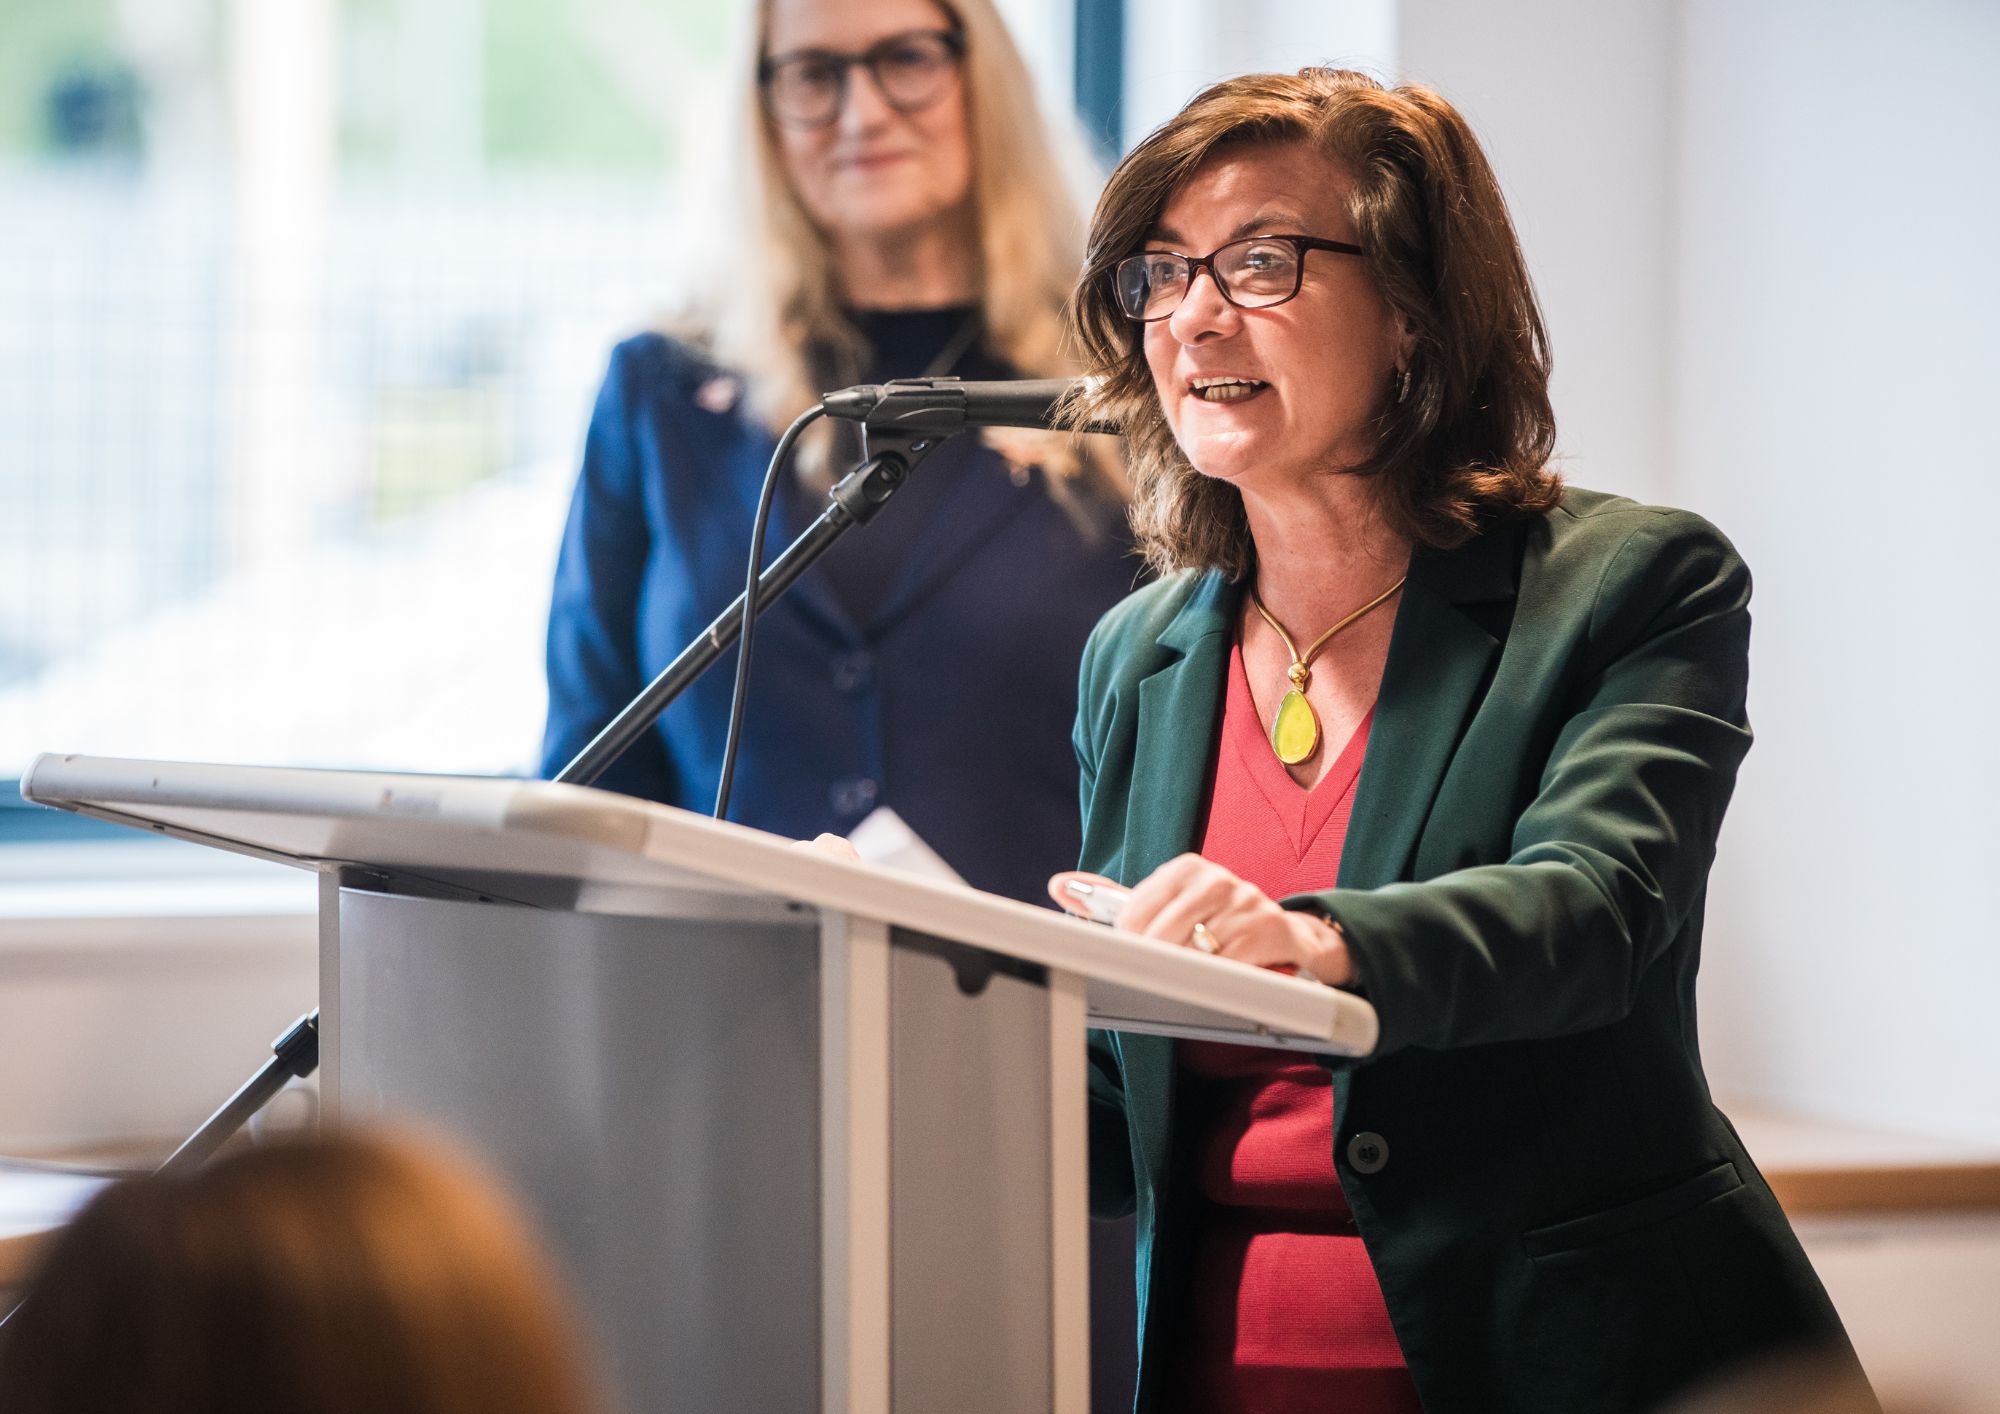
(1561, 1219)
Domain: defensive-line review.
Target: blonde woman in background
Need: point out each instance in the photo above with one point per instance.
(899, 209)
(357, 1275)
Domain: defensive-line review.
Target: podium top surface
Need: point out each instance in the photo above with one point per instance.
(477, 833)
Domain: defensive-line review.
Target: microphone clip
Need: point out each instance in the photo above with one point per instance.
(916, 407)
(889, 454)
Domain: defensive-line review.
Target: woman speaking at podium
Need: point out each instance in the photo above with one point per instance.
(899, 211)
(1407, 715)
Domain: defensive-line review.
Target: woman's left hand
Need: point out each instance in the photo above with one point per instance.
(837, 846)
(1236, 920)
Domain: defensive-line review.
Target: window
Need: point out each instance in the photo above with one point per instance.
(303, 310)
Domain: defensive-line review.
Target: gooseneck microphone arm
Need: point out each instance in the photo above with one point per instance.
(902, 421)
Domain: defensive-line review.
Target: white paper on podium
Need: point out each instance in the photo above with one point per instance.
(886, 839)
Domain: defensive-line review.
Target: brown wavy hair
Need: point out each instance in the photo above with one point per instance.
(317, 1277)
(1469, 442)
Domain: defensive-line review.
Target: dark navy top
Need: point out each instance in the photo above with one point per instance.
(928, 662)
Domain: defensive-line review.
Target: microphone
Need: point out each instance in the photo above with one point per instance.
(942, 406)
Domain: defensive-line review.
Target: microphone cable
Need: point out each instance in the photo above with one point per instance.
(738, 697)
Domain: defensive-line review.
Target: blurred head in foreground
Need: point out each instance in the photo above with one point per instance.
(326, 1276)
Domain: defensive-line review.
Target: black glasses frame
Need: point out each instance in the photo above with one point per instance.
(1194, 264)
(843, 66)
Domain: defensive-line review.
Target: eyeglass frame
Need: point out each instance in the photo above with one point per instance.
(846, 63)
(1194, 264)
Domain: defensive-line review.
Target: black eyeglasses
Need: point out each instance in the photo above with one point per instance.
(913, 70)
(1252, 274)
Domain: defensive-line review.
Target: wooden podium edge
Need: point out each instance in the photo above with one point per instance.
(18, 1254)
(1887, 1188)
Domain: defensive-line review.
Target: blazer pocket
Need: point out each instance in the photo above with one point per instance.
(1654, 1208)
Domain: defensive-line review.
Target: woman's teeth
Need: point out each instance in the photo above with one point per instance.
(1225, 390)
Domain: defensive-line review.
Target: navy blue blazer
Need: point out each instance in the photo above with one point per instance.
(952, 703)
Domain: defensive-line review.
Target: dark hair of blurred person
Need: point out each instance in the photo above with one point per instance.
(351, 1275)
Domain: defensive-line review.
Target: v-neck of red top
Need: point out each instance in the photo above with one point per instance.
(1282, 1311)
(1301, 813)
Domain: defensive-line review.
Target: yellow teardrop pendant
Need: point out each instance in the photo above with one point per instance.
(1295, 729)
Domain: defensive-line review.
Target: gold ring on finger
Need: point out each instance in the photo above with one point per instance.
(1205, 940)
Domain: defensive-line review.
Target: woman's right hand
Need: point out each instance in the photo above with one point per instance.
(1195, 903)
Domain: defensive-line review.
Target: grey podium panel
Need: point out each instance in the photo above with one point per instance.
(650, 1087)
(970, 1202)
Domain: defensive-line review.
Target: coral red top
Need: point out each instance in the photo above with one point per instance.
(1283, 1312)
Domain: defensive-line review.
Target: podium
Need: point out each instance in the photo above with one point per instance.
(803, 1134)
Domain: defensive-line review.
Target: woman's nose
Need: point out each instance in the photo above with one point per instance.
(1203, 312)
(863, 106)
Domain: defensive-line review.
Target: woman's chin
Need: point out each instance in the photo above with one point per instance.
(1222, 456)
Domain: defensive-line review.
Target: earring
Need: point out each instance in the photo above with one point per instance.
(1401, 378)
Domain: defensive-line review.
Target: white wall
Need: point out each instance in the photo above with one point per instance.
(1835, 366)
(1175, 48)
(1764, 236)
(1573, 101)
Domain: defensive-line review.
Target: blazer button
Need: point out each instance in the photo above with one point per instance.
(1367, 1152)
(853, 797)
(853, 673)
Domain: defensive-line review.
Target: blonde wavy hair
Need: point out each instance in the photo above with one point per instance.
(1031, 180)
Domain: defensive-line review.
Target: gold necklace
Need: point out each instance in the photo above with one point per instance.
(1295, 726)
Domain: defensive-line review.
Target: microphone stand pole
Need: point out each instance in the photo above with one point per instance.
(296, 1053)
(854, 500)
(293, 1055)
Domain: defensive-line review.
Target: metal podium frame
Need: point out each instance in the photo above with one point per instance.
(803, 1134)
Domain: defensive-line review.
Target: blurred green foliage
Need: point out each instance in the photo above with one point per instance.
(41, 41)
(546, 91)
(548, 100)
(551, 101)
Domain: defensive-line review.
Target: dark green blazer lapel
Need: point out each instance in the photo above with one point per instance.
(1440, 657)
(1180, 709)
